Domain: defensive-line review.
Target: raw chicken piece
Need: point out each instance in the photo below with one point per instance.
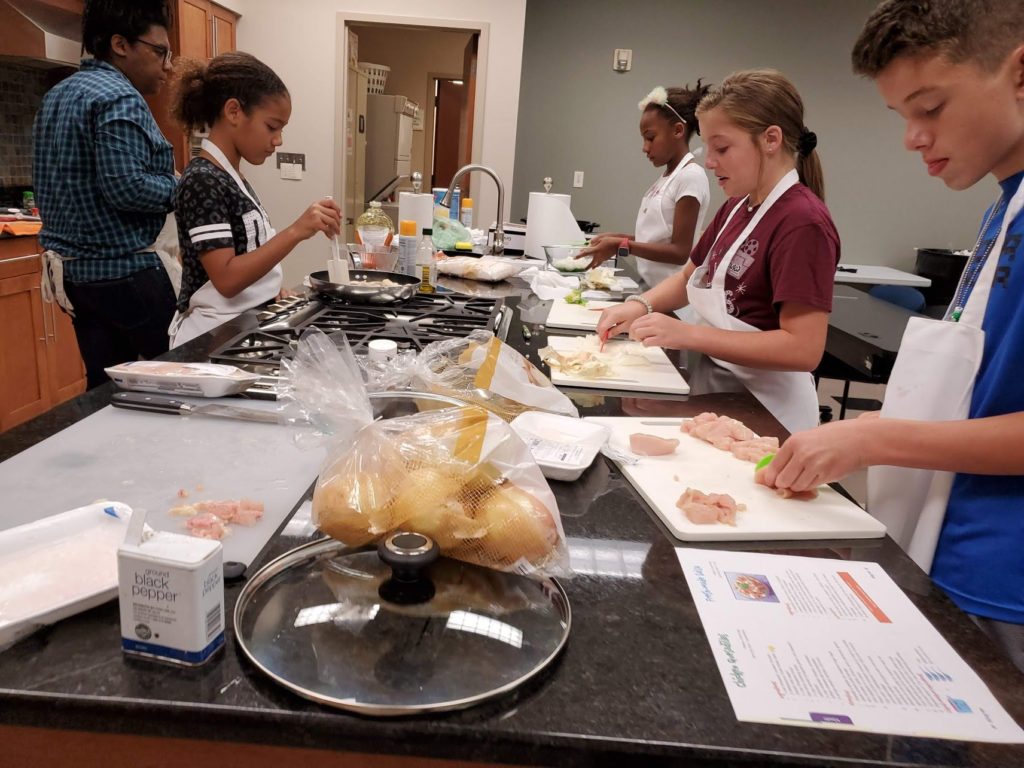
(184, 510)
(249, 512)
(207, 526)
(225, 510)
(706, 508)
(786, 493)
(720, 431)
(651, 445)
(756, 449)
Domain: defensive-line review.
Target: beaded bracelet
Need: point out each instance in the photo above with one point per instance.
(643, 300)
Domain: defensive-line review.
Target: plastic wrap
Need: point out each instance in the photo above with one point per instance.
(480, 369)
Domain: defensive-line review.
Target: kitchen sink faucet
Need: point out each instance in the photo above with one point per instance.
(498, 246)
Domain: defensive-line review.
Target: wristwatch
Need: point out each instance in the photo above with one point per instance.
(623, 250)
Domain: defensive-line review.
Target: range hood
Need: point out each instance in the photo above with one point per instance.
(41, 32)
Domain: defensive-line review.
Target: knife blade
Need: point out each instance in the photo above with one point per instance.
(140, 401)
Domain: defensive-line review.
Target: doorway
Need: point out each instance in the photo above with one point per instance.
(416, 57)
(449, 110)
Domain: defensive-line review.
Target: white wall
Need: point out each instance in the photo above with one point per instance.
(575, 113)
(300, 42)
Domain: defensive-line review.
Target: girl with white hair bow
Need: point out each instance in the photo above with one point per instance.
(672, 211)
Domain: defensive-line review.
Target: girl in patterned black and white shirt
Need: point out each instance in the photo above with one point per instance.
(230, 253)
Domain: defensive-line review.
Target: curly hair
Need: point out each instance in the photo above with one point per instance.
(684, 101)
(202, 89)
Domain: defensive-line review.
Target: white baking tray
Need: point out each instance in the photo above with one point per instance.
(58, 566)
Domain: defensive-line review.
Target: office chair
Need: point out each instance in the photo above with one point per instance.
(900, 295)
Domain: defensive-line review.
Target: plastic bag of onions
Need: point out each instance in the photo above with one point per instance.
(460, 475)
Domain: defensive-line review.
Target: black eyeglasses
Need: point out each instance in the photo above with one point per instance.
(164, 52)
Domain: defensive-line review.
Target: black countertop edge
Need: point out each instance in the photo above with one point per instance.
(422, 737)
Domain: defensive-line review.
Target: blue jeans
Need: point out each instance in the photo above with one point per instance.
(120, 320)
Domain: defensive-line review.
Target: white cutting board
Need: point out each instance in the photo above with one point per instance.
(577, 317)
(661, 480)
(143, 459)
(661, 376)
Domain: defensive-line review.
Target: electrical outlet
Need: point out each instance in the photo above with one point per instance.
(622, 61)
(577, 179)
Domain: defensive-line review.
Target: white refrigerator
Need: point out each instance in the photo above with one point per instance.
(388, 139)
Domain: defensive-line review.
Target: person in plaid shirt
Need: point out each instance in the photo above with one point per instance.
(104, 181)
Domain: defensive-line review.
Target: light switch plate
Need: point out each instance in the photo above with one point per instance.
(622, 60)
(577, 179)
(291, 158)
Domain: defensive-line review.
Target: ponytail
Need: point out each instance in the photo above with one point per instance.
(188, 105)
(808, 168)
(203, 89)
(757, 99)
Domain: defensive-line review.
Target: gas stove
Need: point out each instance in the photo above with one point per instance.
(411, 325)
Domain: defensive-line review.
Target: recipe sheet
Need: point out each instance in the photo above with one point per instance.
(834, 643)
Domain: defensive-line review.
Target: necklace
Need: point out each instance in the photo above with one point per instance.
(974, 265)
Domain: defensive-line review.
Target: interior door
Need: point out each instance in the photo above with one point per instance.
(449, 104)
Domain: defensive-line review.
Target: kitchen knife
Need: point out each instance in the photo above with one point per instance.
(140, 401)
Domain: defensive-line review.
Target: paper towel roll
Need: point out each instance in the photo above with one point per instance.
(418, 208)
(549, 221)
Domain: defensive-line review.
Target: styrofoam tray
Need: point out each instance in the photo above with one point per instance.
(193, 379)
(661, 376)
(562, 446)
(660, 480)
(58, 566)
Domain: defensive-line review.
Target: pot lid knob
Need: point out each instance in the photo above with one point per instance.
(409, 555)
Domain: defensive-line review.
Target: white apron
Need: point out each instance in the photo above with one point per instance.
(208, 307)
(651, 227)
(789, 395)
(933, 380)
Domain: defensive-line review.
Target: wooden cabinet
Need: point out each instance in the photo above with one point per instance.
(199, 30)
(40, 366)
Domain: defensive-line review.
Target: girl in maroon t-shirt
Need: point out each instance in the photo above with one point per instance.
(760, 279)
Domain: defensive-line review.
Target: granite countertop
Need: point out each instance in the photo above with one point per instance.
(637, 681)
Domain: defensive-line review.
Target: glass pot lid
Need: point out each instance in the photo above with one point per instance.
(396, 629)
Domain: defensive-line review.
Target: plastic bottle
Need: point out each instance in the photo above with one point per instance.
(455, 211)
(406, 247)
(374, 227)
(426, 267)
(466, 214)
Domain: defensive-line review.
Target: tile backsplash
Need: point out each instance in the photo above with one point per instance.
(21, 92)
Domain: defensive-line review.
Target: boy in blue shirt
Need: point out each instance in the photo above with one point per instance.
(954, 71)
